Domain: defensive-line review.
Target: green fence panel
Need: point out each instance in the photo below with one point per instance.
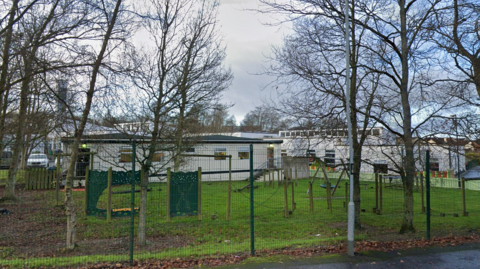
(98, 182)
(184, 194)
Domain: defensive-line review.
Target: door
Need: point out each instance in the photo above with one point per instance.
(270, 157)
(83, 161)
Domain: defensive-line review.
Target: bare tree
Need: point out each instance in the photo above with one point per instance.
(311, 63)
(455, 30)
(110, 11)
(263, 119)
(181, 73)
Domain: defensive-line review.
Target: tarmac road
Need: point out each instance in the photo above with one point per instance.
(462, 257)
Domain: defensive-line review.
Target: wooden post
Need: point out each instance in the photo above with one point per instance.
(464, 204)
(345, 203)
(421, 193)
(380, 194)
(199, 193)
(109, 193)
(293, 195)
(376, 193)
(264, 177)
(310, 195)
(91, 161)
(87, 173)
(57, 181)
(45, 179)
(229, 190)
(285, 197)
(296, 174)
(329, 196)
(27, 179)
(169, 178)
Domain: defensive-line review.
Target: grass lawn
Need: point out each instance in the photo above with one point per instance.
(187, 236)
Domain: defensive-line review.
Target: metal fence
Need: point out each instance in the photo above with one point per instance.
(222, 200)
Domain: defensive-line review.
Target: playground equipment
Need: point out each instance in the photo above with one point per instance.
(96, 182)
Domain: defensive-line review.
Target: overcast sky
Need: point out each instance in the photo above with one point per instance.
(248, 40)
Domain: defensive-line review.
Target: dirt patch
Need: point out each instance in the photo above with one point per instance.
(35, 227)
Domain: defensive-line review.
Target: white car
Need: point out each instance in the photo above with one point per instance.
(37, 160)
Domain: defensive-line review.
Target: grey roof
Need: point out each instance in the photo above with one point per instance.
(210, 139)
(472, 174)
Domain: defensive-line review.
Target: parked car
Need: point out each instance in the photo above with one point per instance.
(6, 159)
(38, 160)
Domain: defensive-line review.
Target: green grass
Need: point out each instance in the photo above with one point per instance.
(187, 237)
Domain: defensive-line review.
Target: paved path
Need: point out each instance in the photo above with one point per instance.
(466, 256)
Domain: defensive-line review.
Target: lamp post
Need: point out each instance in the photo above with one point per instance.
(351, 205)
(454, 117)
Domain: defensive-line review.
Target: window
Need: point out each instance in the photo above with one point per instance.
(380, 166)
(125, 155)
(283, 153)
(282, 134)
(311, 155)
(219, 152)
(158, 156)
(330, 158)
(190, 150)
(244, 153)
(434, 164)
(376, 132)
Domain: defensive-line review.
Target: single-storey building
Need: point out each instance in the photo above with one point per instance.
(210, 153)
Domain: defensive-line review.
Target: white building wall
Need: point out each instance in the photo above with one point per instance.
(108, 155)
(373, 153)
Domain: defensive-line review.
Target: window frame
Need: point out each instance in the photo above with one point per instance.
(243, 150)
(125, 151)
(220, 153)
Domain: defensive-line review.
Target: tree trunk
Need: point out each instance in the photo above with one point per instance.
(20, 132)
(408, 162)
(9, 193)
(69, 203)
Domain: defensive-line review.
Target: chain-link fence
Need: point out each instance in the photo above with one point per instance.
(201, 203)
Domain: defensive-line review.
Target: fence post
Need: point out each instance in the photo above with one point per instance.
(57, 179)
(329, 195)
(264, 171)
(427, 183)
(421, 193)
(109, 193)
(380, 194)
(169, 179)
(310, 195)
(199, 193)
(229, 191)
(285, 195)
(293, 195)
(296, 174)
(376, 193)
(464, 204)
(345, 203)
(252, 215)
(132, 199)
(87, 172)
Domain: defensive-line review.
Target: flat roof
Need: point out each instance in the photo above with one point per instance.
(210, 139)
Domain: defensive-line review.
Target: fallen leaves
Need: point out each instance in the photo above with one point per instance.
(222, 260)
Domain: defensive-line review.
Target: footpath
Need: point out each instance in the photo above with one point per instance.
(465, 256)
